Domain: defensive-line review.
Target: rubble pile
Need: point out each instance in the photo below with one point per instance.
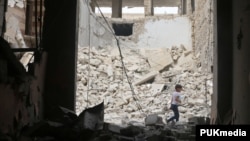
(102, 77)
(65, 125)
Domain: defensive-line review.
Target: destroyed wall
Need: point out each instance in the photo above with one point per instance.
(21, 94)
(153, 32)
(162, 32)
(203, 33)
(21, 85)
(160, 53)
(88, 33)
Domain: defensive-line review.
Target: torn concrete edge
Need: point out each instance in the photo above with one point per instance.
(91, 118)
(146, 78)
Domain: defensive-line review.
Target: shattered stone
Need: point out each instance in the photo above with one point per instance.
(108, 81)
(91, 118)
(153, 120)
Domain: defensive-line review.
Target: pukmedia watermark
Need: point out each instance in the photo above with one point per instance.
(222, 133)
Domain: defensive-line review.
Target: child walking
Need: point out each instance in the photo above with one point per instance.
(175, 102)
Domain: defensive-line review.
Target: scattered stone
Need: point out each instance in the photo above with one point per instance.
(151, 90)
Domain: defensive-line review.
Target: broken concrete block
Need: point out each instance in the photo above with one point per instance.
(158, 58)
(183, 47)
(95, 62)
(152, 119)
(146, 78)
(26, 58)
(157, 88)
(110, 70)
(186, 53)
(112, 128)
(91, 118)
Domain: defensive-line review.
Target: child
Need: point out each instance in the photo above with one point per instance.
(175, 102)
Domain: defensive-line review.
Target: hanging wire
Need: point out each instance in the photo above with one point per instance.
(120, 53)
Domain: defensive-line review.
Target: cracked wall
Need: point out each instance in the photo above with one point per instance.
(203, 33)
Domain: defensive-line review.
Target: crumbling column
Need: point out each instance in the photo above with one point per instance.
(116, 8)
(148, 7)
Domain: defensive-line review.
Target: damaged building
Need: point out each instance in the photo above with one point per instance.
(68, 71)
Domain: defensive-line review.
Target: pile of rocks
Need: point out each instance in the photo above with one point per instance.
(65, 125)
(102, 77)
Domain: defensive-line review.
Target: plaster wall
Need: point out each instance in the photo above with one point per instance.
(203, 30)
(92, 30)
(153, 32)
(166, 32)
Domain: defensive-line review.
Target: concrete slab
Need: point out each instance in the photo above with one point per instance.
(158, 58)
(146, 78)
(157, 88)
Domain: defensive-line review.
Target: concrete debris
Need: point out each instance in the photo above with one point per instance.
(56, 129)
(105, 80)
(158, 58)
(26, 59)
(153, 119)
(146, 78)
(91, 118)
(157, 88)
